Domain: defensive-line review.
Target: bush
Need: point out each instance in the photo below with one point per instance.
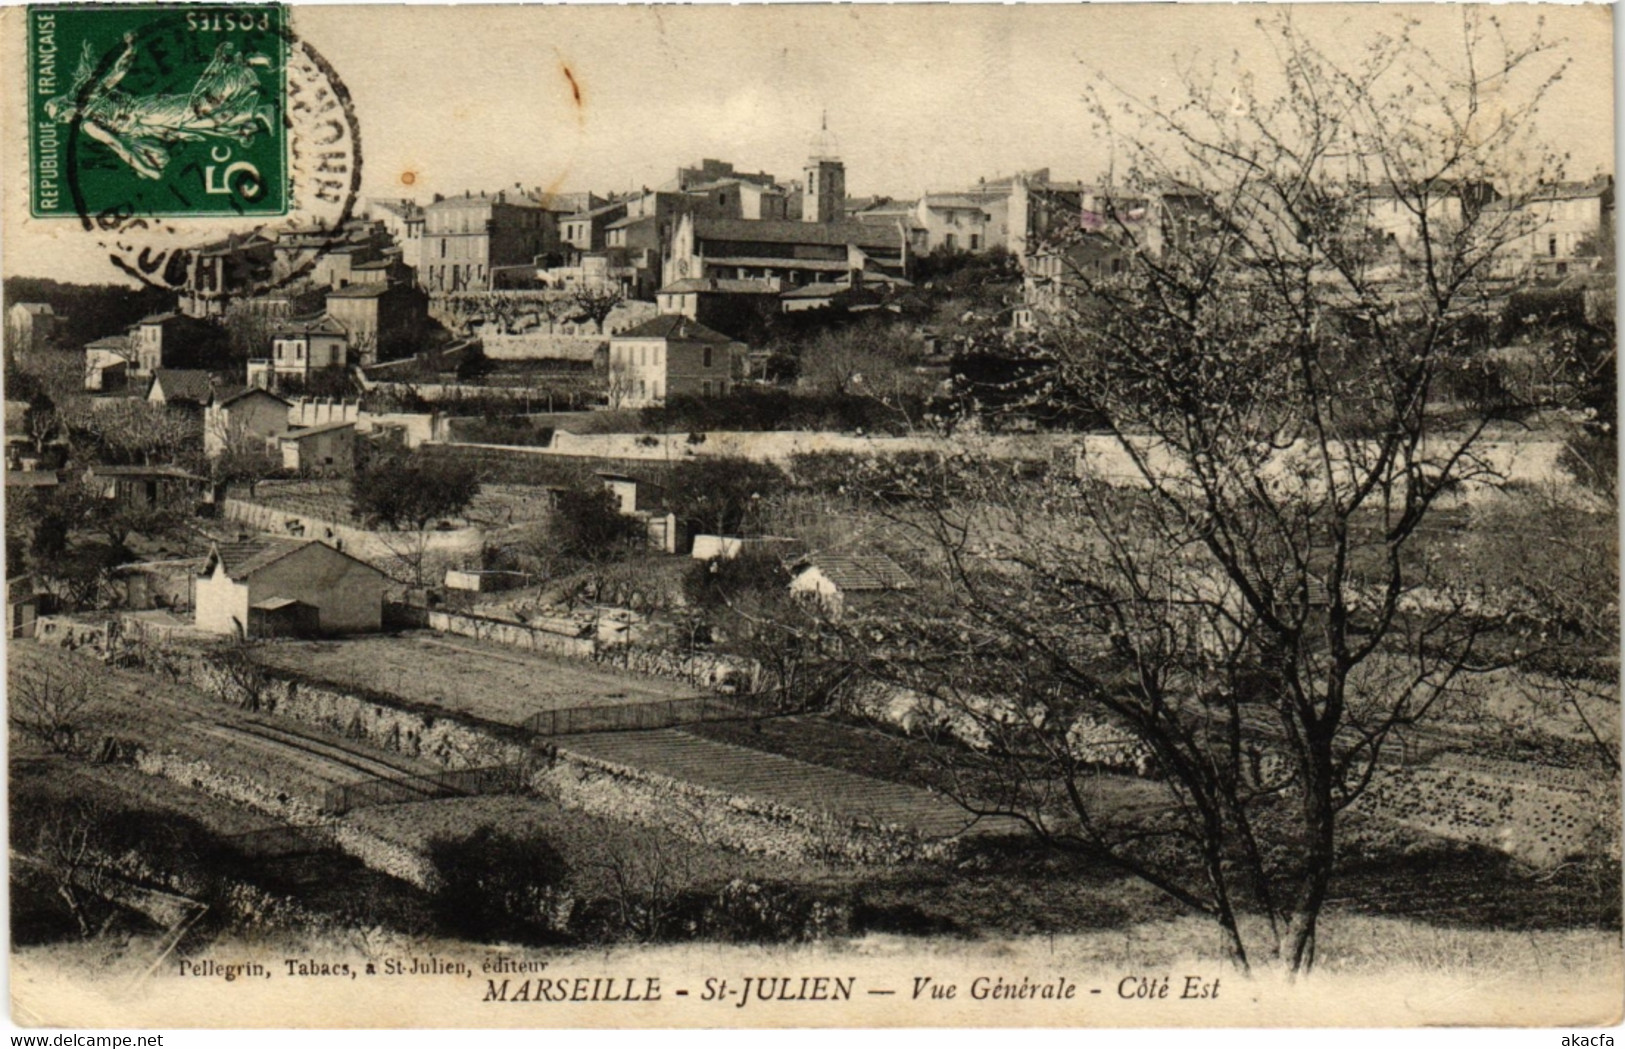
(494, 886)
(588, 526)
(751, 912)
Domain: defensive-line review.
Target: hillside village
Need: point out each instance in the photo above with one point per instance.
(532, 512)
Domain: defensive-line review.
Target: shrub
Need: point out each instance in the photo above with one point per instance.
(492, 886)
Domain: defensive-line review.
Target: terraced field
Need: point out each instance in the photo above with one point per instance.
(738, 770)
(489, 681)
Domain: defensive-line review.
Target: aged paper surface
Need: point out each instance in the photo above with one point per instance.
(811, 516)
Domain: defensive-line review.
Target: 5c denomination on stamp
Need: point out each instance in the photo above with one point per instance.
(158, 110)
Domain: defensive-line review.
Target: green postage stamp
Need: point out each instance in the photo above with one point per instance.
(157, 110)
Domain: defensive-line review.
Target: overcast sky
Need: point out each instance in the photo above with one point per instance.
(918, 96)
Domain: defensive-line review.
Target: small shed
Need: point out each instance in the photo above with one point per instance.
(327, 450)
(252, 584)
(832, 579)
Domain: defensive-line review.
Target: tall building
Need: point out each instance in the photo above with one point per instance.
(466, 238)
(825, 195)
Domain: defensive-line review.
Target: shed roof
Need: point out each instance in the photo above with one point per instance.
(32, 479)
(183, 384)
(311, 431)
(855, 572)
(244, 557)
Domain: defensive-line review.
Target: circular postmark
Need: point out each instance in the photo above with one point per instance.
(212, 152)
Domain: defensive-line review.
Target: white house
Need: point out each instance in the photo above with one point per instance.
(31, 324)
(270, 586)
(670, 356)
(247, 420)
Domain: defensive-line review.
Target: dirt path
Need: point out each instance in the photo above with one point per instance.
(738, 770)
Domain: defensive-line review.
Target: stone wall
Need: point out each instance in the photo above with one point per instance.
(710, 816)
(575, 781)
(518, 635)
(417, 427)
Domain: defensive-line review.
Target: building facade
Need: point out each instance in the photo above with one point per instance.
(467, 238)
(250, 588)
(671, 356)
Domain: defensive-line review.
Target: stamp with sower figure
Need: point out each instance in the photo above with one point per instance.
(158, 111)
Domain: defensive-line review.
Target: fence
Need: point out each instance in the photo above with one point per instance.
(631, 717)
(393, 790)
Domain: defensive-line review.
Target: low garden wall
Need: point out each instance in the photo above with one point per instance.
(518, 635)
(736, 821)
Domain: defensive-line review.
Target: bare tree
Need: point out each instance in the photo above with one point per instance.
(596, 304)
(53, 705)
(69, 848)
(646, 882)
(1228, 575)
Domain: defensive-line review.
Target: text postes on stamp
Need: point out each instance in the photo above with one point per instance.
(158, 111)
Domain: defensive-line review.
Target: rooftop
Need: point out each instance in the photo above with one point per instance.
(793, 231)
(223, 396)
(718, 284)
(474, 200)
(311, 431)
(246, 556)
(673, 326)
(174, 472)
(852, 572)
(362, 291)
(184, 384)
(603, 209)
(318, 325)
(32, 479)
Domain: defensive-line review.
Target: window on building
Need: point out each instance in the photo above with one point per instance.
(641, 391)
(705, 388)
(975, 242)
(1551, 246)
(706, 361)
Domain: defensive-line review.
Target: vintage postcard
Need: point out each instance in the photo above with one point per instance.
(811, 516)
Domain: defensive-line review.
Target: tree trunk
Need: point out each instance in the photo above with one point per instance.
(1319, 854)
